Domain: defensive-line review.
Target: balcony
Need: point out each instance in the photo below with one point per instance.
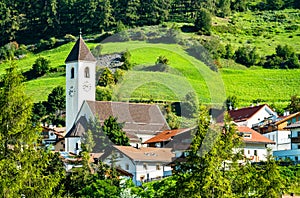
(295, 139)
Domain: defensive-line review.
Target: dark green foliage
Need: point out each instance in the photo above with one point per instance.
(284, 58)
(275, 4)
(294, 105)
(125, 58)
(24, 168)
(215, 48)
(106, 78)
(173, 120)
(231, 103)
(224, 8)
(189, 107)
(98, 136)
(247, 56)
(57, 100)
(107, 134)
(39, 111)
(229, 52)
(96, 51)
(162, 60)
(40, 67)
(113, 130)
(203, 22)
(103, 93)
(100, 188)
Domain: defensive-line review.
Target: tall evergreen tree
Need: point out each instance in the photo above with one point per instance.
(24, 168)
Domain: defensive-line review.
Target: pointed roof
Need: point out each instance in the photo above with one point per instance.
(80, 51)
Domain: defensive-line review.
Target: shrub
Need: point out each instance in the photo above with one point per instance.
(40, 67)
(103, 93)
(203, 22)
(246, 55)
(96, 51)
(285, 57)
(162, 60)
(125, 58)
(106, 78)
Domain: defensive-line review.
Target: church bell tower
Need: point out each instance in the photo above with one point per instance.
(80, 80)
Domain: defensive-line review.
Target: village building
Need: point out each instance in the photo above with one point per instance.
(250, 116)
(144, 163)
(254, 145)
(51, 135)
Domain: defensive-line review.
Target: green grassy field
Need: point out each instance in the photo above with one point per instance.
(188, 74)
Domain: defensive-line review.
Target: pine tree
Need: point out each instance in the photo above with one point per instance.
(24, 168)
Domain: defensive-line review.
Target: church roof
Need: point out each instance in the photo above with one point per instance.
(80, 51)
(138, 118)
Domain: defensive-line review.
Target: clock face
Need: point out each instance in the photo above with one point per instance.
(86, 86)
(71, 91)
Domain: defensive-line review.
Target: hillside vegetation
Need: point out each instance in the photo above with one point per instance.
(262, 30)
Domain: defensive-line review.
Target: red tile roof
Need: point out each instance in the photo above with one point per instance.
(244, 113)
(255, 136)
(166, 135)
(80, 51)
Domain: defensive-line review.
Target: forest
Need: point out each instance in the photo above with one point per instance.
(28, 21)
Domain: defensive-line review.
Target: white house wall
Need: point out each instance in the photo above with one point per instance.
(71, 144)
(137, 168)
(250, 149)
(281, 138)
(260, 115)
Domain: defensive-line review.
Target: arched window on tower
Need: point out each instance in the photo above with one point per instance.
(86, 72)
(72, 73)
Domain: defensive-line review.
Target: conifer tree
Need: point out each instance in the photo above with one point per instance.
(24, 167)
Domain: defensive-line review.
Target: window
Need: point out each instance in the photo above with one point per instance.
(157, 167)
(72, 73)
(86, 72)
(296, 158)
(127, 167)
(298, 146)
(255, 152)
(248, 152)
(145, 166)
(298, 134)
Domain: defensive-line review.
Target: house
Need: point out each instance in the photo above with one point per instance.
(51, 134)
(255, 144)
(294, 152)
(141, 121)
(250, 116)
(144, 163)
(276, 131)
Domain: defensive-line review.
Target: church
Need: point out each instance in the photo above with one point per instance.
(141, 121)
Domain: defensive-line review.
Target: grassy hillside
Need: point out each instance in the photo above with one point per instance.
(265, 30)
(186, 74)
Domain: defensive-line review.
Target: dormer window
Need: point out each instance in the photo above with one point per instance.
(86, 72)
(72, 73)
